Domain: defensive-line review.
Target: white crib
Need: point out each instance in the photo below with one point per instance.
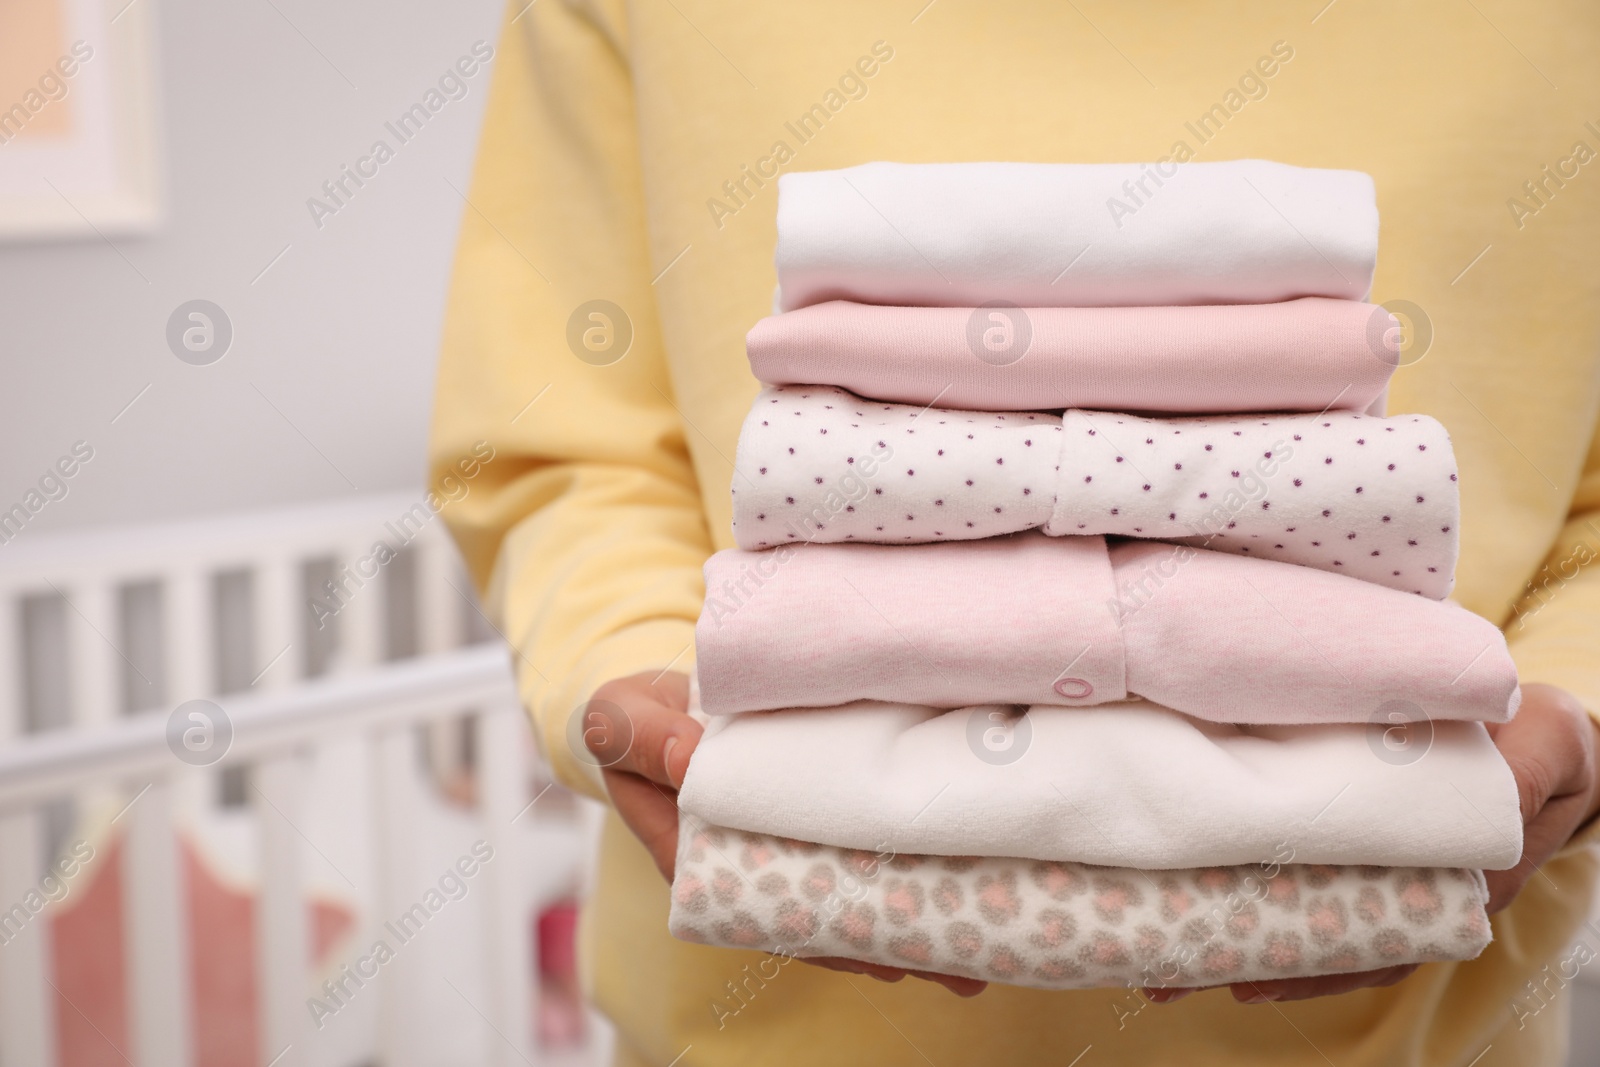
(348, 716)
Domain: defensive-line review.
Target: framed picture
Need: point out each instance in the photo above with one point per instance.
(78, 154)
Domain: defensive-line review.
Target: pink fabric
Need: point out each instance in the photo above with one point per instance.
(1312, 354)
(943, 624)
(1029, 619)
(1216, 635)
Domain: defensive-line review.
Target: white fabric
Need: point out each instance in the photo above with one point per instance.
(1125, 785)
(1053, 235)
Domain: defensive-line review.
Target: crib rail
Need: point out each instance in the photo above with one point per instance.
(265, 724)
(273, 729)
(306, 660)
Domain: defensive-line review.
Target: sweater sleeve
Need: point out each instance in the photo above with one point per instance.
(1554, 629)
(584, 530)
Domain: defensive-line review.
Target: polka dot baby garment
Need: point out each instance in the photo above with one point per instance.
(1367, 497)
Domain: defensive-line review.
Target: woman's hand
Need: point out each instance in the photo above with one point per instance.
(638, 730)
(1551, 748)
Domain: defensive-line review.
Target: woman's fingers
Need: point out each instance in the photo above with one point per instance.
(961, 987)
(638, 725)
(1285, 989)
(1323, 986)
(637, 731)
(1551, 828)
(849, 966)
(1550, 748)
(673, 689)
(651, 812)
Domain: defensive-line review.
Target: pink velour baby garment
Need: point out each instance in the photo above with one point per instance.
(1233, 639)
(1029, 619)
(1121, 785)
(1366, 497)
(1073, 234)
(1068, 925)
(1312, 354)
(1023, 619)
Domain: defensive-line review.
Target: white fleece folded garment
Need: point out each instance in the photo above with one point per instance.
(1074, 234)
(1367, 497)
(1068, 925)
(1125, 785)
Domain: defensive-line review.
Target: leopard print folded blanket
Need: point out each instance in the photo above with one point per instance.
(1069, 925)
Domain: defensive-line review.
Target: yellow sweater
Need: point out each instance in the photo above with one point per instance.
(627, 157)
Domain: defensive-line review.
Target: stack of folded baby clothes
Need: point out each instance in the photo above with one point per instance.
(1088, 623)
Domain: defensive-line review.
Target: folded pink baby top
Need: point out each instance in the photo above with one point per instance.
(1068, 925)
(1312, 354)
(1029, 619)
(1122, 785)
(1009, 620)
(1244, 231)
(1362, 496)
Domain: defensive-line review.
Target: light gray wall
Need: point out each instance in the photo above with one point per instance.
(326, 387)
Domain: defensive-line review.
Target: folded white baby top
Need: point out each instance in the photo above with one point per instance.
(1367, 497)
(1068, 925)
(1074, 234)
(1029, 619)
(1130, 785)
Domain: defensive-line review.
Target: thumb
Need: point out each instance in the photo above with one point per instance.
(642, 737)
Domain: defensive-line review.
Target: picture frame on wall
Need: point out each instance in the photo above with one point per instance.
(78, 131)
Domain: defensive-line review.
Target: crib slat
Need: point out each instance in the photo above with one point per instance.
(189, 637)
(96, 659)
(438, 631)
(282, 932)
(360, 618)
(438, 605)
(187, 652)
(508, 932)
(280, 649)
(27, 1018)
(156, 934)
(396, 813)
(11, 722)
